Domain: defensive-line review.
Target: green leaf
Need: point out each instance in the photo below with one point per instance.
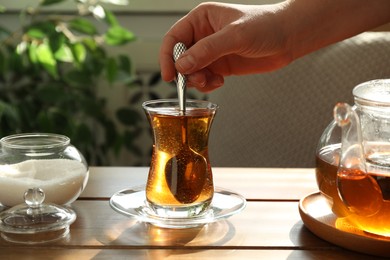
(32, 53)
(95, 61)
(36, 33)
(118, 35)
(57, 41)
(124, 63)
(46, 59)
(90, 44)
(124, 74)
(83, 26)
(50, 2)
(110, 18)
(111, 70)
(125, 77)
(69, 103)
(79, 52)
(128, 116)
(64, 53)
(41, 30)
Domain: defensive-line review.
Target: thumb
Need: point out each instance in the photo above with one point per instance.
(205, 52)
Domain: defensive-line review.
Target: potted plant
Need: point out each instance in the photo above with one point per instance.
(51, 68)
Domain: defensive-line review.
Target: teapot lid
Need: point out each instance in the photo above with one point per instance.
(374, 93)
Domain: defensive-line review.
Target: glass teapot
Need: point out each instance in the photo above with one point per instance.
(353, 159)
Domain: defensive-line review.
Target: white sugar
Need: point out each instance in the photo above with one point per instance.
(62, 180)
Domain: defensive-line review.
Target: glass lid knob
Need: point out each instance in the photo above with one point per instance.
(34, 197)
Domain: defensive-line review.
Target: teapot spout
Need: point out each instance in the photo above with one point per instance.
(352, 150)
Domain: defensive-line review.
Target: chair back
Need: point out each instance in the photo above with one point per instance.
(276, 119)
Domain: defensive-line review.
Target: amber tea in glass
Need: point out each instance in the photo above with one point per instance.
(180, 181)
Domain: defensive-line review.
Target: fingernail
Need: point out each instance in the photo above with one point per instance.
(186, 63)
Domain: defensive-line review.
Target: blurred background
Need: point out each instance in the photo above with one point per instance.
(83, 68)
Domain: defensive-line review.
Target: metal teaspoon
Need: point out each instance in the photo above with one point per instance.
(178, 50)
(186, 171)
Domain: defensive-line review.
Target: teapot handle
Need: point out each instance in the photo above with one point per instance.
(352, 151)
(358, 191)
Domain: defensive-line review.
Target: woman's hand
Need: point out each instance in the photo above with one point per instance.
(223, 40)
(229, 39)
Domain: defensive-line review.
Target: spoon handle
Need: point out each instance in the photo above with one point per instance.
(178, 50)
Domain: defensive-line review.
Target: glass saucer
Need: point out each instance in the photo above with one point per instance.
(131, 202)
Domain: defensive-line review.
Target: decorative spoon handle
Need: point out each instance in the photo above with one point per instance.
(178, 50)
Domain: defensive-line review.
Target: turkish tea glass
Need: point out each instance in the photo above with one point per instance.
(180, 181)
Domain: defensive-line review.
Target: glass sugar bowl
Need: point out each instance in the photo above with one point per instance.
(41, 174)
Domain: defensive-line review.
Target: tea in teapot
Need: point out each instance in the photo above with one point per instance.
(353, 159)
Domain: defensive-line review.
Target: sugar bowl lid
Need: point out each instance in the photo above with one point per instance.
(34, 221)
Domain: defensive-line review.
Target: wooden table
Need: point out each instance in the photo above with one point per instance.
(268, 228)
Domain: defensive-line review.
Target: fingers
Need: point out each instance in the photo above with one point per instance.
(180, 32)
(205, 52)
(204, 44)
(195, 59)
(167, 65)
(204, 80)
